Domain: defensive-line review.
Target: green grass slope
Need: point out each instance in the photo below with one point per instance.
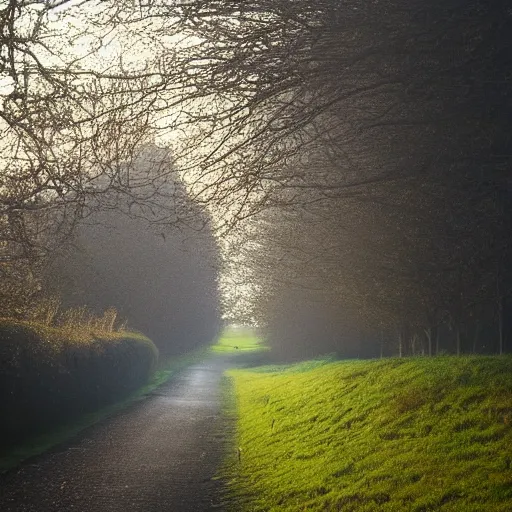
(414, 434)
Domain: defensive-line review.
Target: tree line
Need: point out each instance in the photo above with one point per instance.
(355, 155)
(389, 230)
(92, 211)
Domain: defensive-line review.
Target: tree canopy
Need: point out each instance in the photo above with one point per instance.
(355, 154)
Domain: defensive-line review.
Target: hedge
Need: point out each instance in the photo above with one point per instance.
(51, 375)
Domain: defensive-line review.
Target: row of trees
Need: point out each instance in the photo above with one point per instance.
(91, 210)
(357, 153)
(357, 277)
(389, 231)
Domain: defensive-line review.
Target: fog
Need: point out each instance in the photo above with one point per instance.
(160, 278)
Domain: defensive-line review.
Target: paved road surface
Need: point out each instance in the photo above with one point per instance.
(157, 455)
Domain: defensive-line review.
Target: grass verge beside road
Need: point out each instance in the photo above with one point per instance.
(419, 434)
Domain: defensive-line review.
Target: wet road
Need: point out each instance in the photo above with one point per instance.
(160, 454)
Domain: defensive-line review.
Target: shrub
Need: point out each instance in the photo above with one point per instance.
(49, 375)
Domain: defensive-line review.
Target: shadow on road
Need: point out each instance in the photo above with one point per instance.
(160, 454)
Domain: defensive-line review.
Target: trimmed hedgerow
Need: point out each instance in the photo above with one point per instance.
(50, 375)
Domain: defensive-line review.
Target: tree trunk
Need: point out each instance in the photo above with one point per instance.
(400, 343)
(500, 325)
(500, 305)
(476, 336)
(457, 337)
(428, 333)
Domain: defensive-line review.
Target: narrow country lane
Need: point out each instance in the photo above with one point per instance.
(160, 454)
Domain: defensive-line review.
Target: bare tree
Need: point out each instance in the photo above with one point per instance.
(73, 116)
(380, 129)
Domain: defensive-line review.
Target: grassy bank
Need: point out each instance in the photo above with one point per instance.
(413, 434)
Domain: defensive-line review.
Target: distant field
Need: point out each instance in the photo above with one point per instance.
(390, 435)
(238, 340)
